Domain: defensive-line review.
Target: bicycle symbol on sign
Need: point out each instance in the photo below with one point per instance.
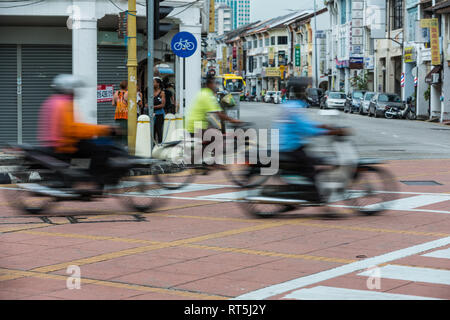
(183, 45)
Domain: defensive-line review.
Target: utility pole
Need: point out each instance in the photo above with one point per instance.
(315, 46)
(132, 76)
(150, 50)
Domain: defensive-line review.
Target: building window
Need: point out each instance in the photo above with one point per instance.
(397, 10)
(272, 41)
(267, 42)
(343, 11)
(282, 40)
(255, 43)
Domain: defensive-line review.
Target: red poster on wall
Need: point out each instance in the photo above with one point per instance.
(105, 92)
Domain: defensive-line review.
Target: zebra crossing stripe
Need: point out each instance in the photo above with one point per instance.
(332, 293)
(290, 285)
(442, 254)
(416, 274)
(412, 202)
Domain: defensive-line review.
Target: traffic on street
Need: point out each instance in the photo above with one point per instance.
(205, 150)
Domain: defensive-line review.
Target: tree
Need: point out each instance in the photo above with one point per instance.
(360, 81)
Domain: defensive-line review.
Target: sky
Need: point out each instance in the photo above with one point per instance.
(266, 9)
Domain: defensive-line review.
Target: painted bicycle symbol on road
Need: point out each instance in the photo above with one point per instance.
(184, 45)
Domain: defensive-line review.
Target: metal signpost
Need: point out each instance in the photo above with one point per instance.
(184, 45)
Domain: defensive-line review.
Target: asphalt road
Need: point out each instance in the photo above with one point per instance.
(375, 137)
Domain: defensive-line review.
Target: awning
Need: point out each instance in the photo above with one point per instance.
(435, 70)
(164, 69)
(442, 7)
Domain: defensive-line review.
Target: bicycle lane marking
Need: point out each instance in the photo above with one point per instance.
(298, 283)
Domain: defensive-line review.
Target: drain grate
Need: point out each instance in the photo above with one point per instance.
(421, 183)
(391, 150)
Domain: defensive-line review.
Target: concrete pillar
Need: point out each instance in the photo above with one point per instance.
(408, 90)
(422, 86)
(190, 22)
(347, 80)
(193, 67)
(84, 57)
(435, 101)
(445, 110)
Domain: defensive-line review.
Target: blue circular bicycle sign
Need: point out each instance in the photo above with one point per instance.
(184, 44)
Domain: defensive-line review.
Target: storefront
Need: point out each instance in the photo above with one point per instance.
(26, 72)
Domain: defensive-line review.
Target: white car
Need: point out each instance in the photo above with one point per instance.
(268, 96)
(277, 97)
(336, 100)
(366, 102)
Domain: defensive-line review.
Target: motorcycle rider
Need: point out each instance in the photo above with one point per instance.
(294, 130)
(60, 133)
(204, 103)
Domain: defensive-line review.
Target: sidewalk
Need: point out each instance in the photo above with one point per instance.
(200, 245)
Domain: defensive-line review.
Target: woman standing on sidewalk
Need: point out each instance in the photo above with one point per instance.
(159, 101)
(120, 101)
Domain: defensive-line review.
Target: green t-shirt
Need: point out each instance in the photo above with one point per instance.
(204, 102)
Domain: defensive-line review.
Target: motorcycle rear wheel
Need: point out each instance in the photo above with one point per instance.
(371, 190)
(139, 194)
(179, 176)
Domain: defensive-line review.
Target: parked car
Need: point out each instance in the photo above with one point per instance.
(335, 100)
(383, 101)
(269, 96)
(313, 96)
(277, 97)
(364, 109)
(354, 101)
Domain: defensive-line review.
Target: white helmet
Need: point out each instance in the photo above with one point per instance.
(67, 83)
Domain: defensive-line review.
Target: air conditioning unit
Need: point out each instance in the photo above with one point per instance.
(435, 78)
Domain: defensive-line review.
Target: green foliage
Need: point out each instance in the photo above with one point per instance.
(360, 81)
(426, 94)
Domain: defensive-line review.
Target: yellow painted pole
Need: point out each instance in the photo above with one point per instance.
(132, 76)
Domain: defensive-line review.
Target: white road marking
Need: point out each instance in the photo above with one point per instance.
(442, 254)
(415, 274)
(412, 202)
(331, 293)
(228, 195)
(342, 270)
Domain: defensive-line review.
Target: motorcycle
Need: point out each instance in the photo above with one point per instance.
(54, 179)
(342, 180)
(408, 111)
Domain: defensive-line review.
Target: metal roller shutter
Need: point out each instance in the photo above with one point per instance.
(40, 64)
(8, 93)
(111, 69)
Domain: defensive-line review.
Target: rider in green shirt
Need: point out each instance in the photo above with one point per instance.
(205, 102)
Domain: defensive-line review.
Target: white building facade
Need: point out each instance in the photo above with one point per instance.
(38, 42)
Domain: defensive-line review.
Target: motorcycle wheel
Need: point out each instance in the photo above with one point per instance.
(139, 194)
(179, 176)
(261, 209)
(388, 115)
(30, 202)
(371, 188)
(412, 116)
(245, 176)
